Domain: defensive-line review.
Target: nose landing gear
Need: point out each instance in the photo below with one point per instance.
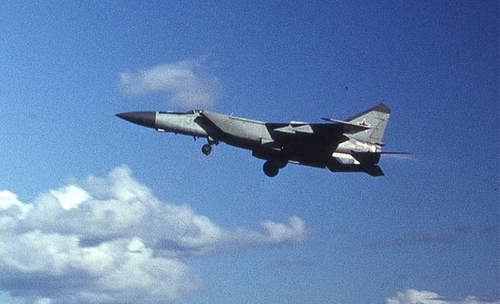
(206, 149)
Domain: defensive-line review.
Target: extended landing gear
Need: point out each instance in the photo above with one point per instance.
(273, 166)
(206, 149)
(270, 169)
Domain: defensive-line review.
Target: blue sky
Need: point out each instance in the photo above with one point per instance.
(97, 210)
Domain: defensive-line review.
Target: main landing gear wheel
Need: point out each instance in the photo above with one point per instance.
(206, 149)
(270, 169)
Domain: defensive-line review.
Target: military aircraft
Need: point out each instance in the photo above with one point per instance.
(351, 145)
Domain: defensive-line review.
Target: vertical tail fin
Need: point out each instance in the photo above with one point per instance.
(375, 119)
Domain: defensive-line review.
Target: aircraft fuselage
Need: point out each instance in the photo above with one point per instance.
(344, 146)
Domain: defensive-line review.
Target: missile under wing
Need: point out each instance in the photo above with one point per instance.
(351, 145)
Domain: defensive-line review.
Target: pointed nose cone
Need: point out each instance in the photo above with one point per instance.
(147, 119)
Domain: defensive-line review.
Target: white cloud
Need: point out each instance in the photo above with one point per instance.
(412, 296)
(184, 81)
(111, 240)
(70, 197)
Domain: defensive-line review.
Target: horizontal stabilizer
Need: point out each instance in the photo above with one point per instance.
(374, 171)
(349, 127)
(366, 157)
(395, 153)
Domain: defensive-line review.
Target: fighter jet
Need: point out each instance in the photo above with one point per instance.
(351, 145)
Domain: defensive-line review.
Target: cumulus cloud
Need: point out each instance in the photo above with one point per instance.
(184, 82)
(412, 296)
(110, 240)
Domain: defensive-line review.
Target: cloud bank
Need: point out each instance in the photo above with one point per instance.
(110, 240)
(184, 82)
(412, 296)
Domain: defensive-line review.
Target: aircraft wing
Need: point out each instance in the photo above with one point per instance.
(339, 126)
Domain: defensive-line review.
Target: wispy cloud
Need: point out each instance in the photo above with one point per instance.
(185, 83)
(412, 296)
(111, 240)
